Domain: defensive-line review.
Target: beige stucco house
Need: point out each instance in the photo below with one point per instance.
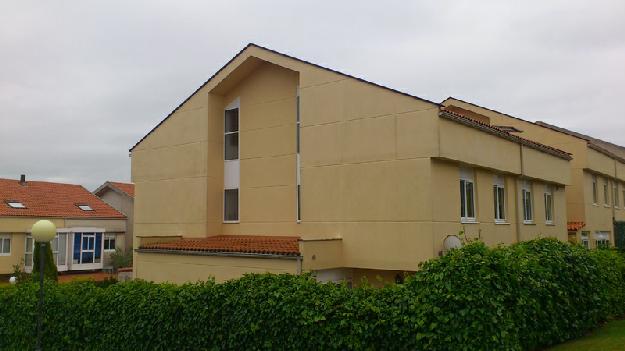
(276, 164)
(596, 196)
(120, 196)
(87, 227)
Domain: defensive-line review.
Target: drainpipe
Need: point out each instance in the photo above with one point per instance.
(516, 196)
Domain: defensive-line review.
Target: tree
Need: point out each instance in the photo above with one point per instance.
(49, 271)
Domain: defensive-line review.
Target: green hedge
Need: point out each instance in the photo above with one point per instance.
(520, 297)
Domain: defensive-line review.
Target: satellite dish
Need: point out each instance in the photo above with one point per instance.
(452, 242)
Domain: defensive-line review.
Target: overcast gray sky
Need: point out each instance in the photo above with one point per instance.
(82, 81)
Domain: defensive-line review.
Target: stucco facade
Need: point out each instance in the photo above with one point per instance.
(590, 212)
(379, 173)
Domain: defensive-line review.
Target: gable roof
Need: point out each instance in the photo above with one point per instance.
(47, 199)
(220, 244)
(456, 114)
(283, 55)
(609, 149)
(124, 188)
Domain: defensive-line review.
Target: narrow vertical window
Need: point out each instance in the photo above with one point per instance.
(298, 137)
(28, 251)
(499, 197)
(231, 205)
(616, 199)
(467, 196)
(606, 192)
(231, 134)
(5, 245)
(594, 190)
(232, 170)
(548, 204)
(526, 192)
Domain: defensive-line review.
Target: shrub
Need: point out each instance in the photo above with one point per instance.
(521, 297)
(49, 269)
(121, 258)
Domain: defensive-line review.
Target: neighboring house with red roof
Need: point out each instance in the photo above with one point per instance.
(87, 227)
(120, 196)
(276, 164)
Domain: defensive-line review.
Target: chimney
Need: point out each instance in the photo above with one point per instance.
(23, 179)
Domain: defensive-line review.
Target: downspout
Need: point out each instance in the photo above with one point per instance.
(516, 197)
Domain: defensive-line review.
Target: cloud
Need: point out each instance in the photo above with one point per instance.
(81, 82)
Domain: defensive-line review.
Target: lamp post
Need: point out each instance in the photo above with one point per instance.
(43, 231)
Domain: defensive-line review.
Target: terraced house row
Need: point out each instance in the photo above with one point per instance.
(276, 164)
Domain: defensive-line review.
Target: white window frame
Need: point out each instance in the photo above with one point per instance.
(615, 198)
(30, 250)
(526, 188)
(585, 239)
(606, 192)
(108, 237)
(549, 208)
(595, 190)
(232, 170)
(499, 185)
(16, 204)
(3, 238)
(466, 176)
(602, 239)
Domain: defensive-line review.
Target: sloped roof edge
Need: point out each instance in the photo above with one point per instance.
(284, 55)
(505, 135)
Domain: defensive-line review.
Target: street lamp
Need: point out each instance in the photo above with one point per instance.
(43, 231)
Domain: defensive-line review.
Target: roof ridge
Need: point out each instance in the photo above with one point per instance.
(284, 55)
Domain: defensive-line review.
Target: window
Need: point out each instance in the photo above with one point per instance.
(526, 192)
(616, 196)
(623, 187)
(58, 246)
(5, 245)
(231, 134)
(87, 248)
(231, 205)
(109, 242)
(232, 171)
(59, 249)
(467, 196)
(585, 240)
(28, 251)
(298, 126)
(606, 193)
(594, 190)
(84, 207)
(602, 239)
(15, 204)
(499, 197)
(548, 204)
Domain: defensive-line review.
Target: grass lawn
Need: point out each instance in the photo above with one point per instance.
(609, 337)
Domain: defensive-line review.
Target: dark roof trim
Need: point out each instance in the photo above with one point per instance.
(217, 253)
(505, 135)
(284, 55)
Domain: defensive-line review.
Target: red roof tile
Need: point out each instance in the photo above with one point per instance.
(127, 188)
(46, 199)
(249, 244)
(575, 226)
(470, 120)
